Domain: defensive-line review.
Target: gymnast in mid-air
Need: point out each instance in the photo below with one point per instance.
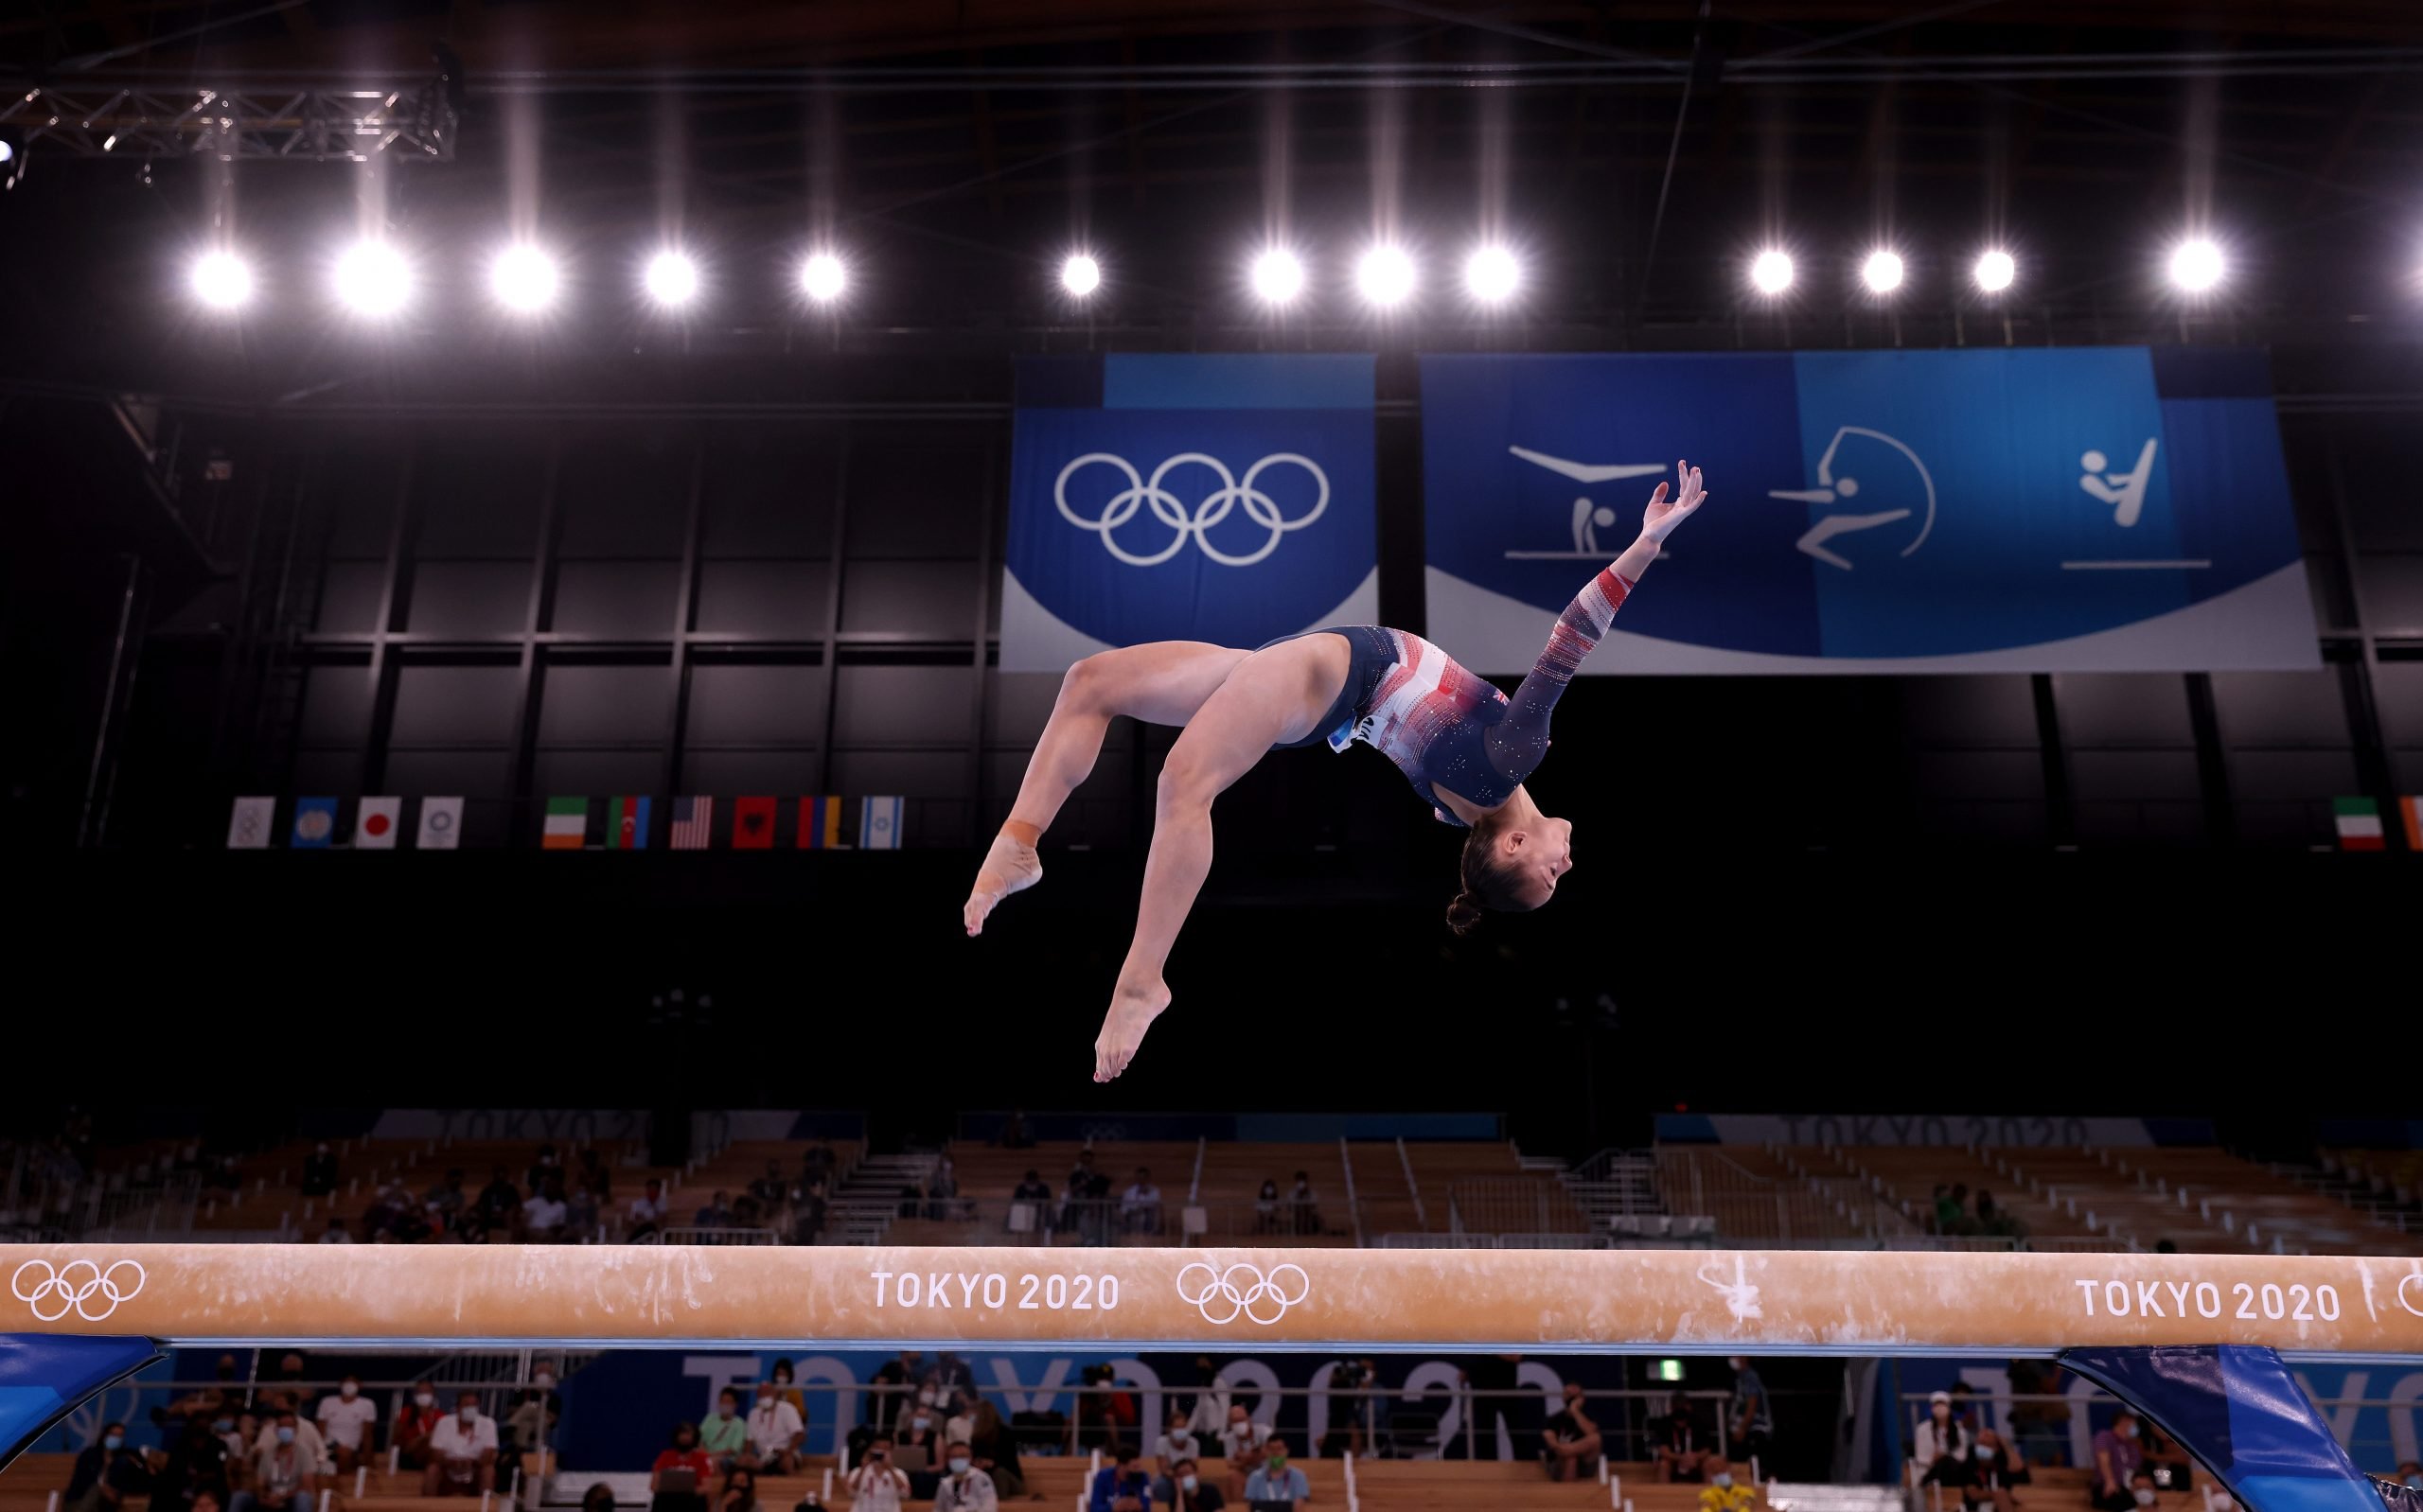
(1464, 745)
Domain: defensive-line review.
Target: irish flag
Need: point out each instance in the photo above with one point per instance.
(567, 824)
(2359, 824)
(627, 824)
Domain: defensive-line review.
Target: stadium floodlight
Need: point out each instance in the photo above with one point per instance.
(222, 280)
(1881, 272)
(2196, 265)
(1771, 271)
(1385, 275)
(373, 278)
(1995, 271)
(1278, 277)
(671, 279)
(523, 278)
(823, 276)
(1080, 275)
(1491, 275)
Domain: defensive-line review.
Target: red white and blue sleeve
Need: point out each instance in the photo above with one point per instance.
(1521, 739)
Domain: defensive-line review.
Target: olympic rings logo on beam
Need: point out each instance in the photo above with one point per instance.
(1221, 1300)
(1194, 524)
(59, 1291)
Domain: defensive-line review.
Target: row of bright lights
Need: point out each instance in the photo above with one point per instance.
(373, 278)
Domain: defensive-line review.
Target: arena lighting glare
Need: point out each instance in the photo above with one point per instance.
(1080, 275)
(822, 278)
(2196, 265)
(1995, 271)
(1881, 272)
(222, 280)
(1384, 275)
(1770, 272)
(373, 278)
(1491, 275)
(1278, 277)
(523, 279)
(672, 279)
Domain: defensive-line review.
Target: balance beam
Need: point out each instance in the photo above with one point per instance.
(1671, 1301)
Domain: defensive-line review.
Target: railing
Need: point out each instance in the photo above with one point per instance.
(1354, 1203)
(1511, 1204)
(693, 1234)
(1412, 1185)
(1114, 1221)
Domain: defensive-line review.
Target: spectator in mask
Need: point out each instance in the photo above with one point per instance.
(1241, 1444)
(963, 1487)
(1720, 1494)
(1939, 1450)
(878, 1485)
(1186, 1491)
(285, 1474)
(2141, 1492)
(1120, 1486)
(1679, 1454)
(646, 1212)
(1174, 1444)
(462, 1452)
(532, 1424)
(2118, 1454)
(1277, 1480)
(739, 1491)
(106, 1473)
(307, 1433)
(725, 1437)
(775, 1433)
(345, 1422)
(788, 1392)
(544, 1170)
(415, 1421)
(684, 1455)
(1994, 1468)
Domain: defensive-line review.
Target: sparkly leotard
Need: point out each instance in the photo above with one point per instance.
(1447, 728)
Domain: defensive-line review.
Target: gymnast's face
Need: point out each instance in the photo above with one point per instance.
(1542, 855)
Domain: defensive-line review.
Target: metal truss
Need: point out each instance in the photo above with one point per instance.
(119, 119)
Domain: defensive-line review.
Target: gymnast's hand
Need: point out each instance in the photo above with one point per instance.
(1662, 514)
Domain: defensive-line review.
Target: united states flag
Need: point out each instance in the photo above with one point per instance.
(692, 819)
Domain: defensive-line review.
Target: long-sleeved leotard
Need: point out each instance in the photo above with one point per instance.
(1446, 728)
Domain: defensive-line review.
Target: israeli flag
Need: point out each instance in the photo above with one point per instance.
(879, 825)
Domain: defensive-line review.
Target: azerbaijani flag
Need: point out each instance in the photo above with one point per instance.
(627, 824)
(820, 823)
(567, 824)
(2359, 824)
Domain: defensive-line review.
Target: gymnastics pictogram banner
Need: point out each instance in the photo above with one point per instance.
(2011, 510)
(1225, 497)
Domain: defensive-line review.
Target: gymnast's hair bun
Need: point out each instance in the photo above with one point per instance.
(1464, 912)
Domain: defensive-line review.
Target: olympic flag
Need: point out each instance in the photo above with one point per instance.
(1227, 499)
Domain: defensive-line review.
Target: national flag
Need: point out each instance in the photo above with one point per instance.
(567, 824)
(627, 824)
(375, 824)
(249, 825)
(879, 825)
(441, 824)
(693, 823)
(315, 823)
(2412, 807)
(753, 824)
(820, 823)
(2359, 824)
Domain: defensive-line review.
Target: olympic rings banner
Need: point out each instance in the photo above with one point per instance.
(1169, 498)
(1706, 1301)
(2012, 510)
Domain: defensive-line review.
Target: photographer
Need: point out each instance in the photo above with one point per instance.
(878, 1485)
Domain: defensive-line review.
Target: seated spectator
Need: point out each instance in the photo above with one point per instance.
(1938, 1207)
(1187, 1491)
(1939, 1450)
(646, 1214)
(1720, 1494)
(739, 1491)
(307, 1433)
(446, 1197)
(532, 1422)
(688, 1491)
(598, 1498)
(1358, 1410)
(1121, 1486)
(2117, 1456)
(1303, 1213)
(716, 1214)
(345, 1422)
(1993, 1219)
(959, 1426)
(319, 1171)
(1266, 1209)
(1570, 1445)
(775, 1433)
(500, 1200)
(1993, 1470)
(1964, 1408)
(1677, 1450)
(106, 1473)
(1952, 1213)
(415, 1421)
(335, 1233)
(1277, 1481)
(543, 1169)
(878, 1485)
(284, 1473)
(1139, 1206)
(543, 1215)
(1174, 1444)
(725, 1437)
(196, 1464)
(995, 1444)
(783, 1374)
(1241, 1444)
(770, 1189)
(2039, 1416)
(462, 1452)
(2142, 1490)
(595, 1175)
(963, 1487)
(1033, 1196)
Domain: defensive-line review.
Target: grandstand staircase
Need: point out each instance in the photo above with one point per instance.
(1615, 1184)
(862, 1208)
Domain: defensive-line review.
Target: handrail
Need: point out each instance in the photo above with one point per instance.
(1194, 1183)
(1346, 1161)
(1413, 1187)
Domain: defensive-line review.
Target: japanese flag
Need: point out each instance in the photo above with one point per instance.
(375, 824)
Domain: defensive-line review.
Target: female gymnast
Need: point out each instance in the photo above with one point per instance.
(1465, 747)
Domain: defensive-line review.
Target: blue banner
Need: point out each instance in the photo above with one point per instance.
(2017, 510)
(45, 1375)
(1227, 499)
(2238, 1411)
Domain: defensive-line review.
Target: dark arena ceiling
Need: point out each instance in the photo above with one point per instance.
(1637, 154)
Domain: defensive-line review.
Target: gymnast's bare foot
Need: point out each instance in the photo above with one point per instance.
(1009, 866)
(1133, 1007)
